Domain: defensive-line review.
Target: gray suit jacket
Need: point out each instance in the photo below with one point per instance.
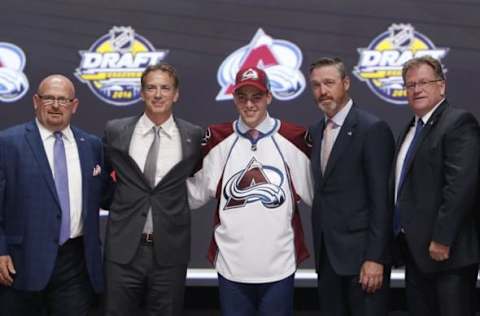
(132, 197)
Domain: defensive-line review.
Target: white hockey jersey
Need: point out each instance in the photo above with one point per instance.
(258, 235)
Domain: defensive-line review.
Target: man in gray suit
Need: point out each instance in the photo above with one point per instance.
(147, 244)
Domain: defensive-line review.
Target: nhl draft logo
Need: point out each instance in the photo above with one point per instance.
(256, 183)
(280, 59)
(380, 64)
(13, 82)
(113, 65)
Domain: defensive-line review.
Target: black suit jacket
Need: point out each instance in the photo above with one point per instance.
(437, 198)
(351, 213)
(133, 197)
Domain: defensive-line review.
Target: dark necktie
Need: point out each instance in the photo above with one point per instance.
(396, 216)
(253, 134)
(150, 171)
(61, 184)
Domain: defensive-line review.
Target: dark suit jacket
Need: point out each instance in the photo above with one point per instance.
(133, 197)
(351, 212)
(30, 212)
(438, 194)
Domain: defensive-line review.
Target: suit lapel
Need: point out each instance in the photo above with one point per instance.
(84, 151)
(123, 139)
(121, 144)
(185, 138)
(425, 132)
(343, 140)
(35, 142)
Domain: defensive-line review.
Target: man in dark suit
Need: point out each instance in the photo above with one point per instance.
(351, 214)
(51, 180)
(436, 180)
(148, 230)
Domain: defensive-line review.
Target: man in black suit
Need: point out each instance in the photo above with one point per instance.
(148, 232)
(351, 214)
(436, 180)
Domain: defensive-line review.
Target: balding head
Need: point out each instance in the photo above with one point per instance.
(55, 102)
(59, 80)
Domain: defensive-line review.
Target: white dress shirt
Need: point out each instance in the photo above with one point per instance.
(74, 172)
(406, 144)
(170, 150)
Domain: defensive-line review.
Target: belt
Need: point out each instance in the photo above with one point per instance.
(147, 239)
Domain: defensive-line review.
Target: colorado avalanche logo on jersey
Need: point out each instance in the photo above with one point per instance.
(13, 82)
(256, 183)
(280, 59)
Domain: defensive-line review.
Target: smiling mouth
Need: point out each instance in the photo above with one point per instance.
(419, 98)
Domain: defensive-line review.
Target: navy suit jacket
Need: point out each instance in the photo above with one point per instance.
(30, 213)
(438, 198)
(351, 212)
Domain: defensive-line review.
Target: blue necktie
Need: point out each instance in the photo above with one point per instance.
(61, 184)
(396, 216)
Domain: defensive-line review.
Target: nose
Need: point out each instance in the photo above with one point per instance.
(55, 104)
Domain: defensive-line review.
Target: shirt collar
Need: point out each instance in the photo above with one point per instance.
(46, 133)
(427, 116)
(145, 125)
(341, 115)
(264, 127)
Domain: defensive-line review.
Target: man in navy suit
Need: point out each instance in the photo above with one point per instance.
(351, 214)
(51, 182)
(435, 183)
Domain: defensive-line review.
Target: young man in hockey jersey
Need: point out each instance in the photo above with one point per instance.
(258, 168)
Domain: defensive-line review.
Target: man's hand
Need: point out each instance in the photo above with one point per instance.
(6, 270)
(371, 276)
(438, 252)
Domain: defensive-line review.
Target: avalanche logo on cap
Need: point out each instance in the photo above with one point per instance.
(250, 74)
(113, 65)
(13, 82)
(380, 64)
(280, 59)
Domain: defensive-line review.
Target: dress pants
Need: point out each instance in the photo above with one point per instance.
(143, 287)
(256, 299)
(445, 293)
(68, 292)
(342, 295)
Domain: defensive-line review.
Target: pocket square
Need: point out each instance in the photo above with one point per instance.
(97, 170)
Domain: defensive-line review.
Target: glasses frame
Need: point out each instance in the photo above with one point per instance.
(51, 100)
(420, 84)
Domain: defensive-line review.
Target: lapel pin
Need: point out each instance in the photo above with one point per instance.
(349, 133)
(188, 140)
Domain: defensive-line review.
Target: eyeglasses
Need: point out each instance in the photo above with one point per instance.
(421, 84)
(256, 98)
(50, 100)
